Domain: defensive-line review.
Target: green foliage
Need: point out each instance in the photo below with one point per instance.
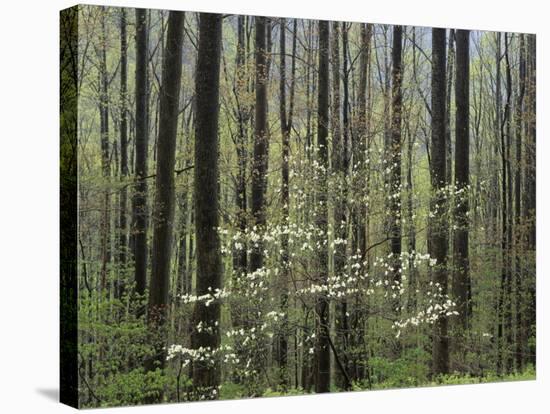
(231, 390)
(132, 388)
(406, 373)
(269, 392)
(411, 369)
(459, 379)
(119, 345)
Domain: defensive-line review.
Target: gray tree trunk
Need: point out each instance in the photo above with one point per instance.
(206, 376)
(163, 209)
(438, 236)
(322, 383)
(261, 141)
(461, 280)
(139, 200)
(122, 225)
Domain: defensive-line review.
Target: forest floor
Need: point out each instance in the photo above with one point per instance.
(235, 391)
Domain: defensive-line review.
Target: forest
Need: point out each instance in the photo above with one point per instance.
(272, 206)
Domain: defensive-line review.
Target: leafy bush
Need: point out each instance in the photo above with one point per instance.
(131, 388)
(269, 392)
(411, 369)
(231, 390)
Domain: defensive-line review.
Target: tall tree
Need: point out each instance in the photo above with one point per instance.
(286, 127)
(336, 119)
(122, 241)
(163, 210)
(241, 75)
(105, 154)
(261, 140)
(347, 149)
(240, 310)
(518, 210)
(499, 131)
(206, 376)
(339, 166)
(139, 199)
(346, 124)
(322, 383)
(361, 140)
(450, 72)
(504, 329)
(530, 209)
(395, 153)
(509, 194)
(438, 245)
(461, 280)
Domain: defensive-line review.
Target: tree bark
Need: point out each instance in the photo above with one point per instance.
(261, 141)
(348, 149)
(239, 256)
(139, 199)
(340, 217)
(322, 383)
(461, 280)
(395, 155)
(450, 71)
(163, 210)
(501, 239)
(519, 238)
(206, 376)
(105, 157)
(508, 216)
(286, 127)
(123, 239)
(438, 245)
(361, 140)
(530, 210)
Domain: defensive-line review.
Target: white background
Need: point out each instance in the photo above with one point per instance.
(29, 219)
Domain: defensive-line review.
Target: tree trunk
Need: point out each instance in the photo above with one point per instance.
(163, 210)
(361, 140)
(504, 309)
(340, 218)
(183, 275)
(530, 187)
(508, 216)
(286, 127)
(395, 156)
(105, 157)
(438, 245)
(519, 238)
(206, 376)
(139, 200)
(322, 383)
(239, 256)
(461, 280)
(348, 148)
(450, 71)
(261, 142)
(123, 239)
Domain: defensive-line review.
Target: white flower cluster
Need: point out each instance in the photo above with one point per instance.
(431, 314)
(275, 315)
(203, 327)
(203, 354)
(207, 298)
